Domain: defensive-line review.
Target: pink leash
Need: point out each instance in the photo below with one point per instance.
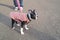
(18, 4)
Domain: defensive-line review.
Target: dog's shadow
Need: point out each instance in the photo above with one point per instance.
(11, 7)
(5, 20)
(33, 33)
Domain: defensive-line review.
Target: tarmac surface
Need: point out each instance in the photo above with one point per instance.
(47, 27)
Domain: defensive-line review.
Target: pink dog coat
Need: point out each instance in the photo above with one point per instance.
(19, 16)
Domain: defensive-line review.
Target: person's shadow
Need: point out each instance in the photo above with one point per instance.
(11, 7)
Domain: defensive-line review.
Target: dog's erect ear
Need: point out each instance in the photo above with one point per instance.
(34, 10)
(29, 11)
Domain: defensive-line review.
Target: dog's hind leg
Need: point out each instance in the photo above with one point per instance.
(13, 21)
(17, 23)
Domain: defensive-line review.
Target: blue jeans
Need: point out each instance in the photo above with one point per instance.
(16, 5)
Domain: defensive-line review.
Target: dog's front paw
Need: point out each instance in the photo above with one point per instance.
(22, 33)
(26, 27)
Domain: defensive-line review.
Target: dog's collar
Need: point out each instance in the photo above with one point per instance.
(29, 16)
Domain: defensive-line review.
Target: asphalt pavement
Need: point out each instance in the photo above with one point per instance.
(46, 27)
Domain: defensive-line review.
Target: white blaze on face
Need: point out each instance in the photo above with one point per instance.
(29, 16)
(36, 15)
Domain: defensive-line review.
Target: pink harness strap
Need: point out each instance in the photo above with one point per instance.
(19, 16)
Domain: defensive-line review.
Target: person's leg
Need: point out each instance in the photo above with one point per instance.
(16, 5)
(21, 5)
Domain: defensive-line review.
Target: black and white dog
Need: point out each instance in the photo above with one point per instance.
(32, 14)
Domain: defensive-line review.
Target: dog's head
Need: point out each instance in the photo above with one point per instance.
(32, 14)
